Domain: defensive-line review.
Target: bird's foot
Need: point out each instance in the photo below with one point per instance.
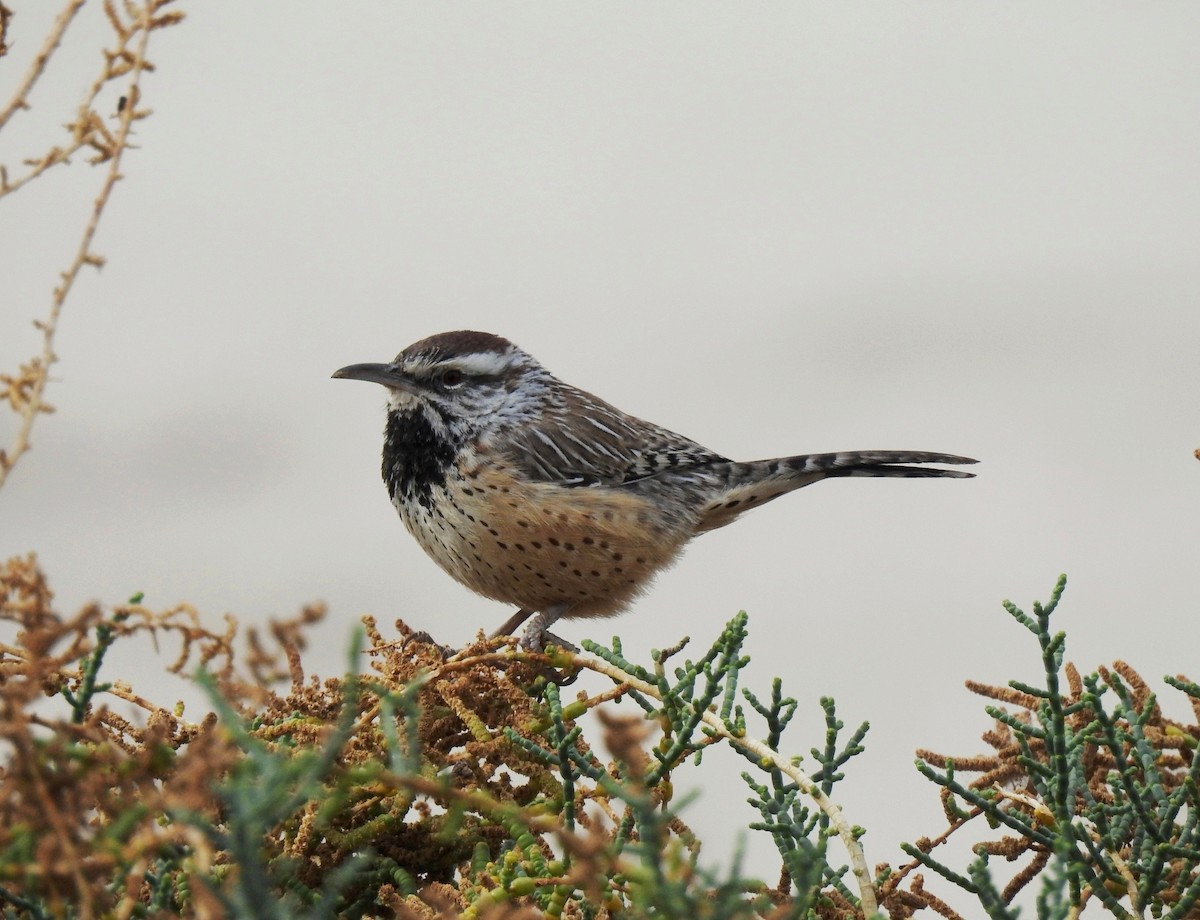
(537, 631)
(538, 643)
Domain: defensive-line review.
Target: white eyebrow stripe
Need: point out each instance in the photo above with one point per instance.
(484, 363)
(545, 439)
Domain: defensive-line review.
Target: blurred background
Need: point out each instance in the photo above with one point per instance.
(776, 228)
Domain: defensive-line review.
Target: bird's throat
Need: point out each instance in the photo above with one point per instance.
(417, 456)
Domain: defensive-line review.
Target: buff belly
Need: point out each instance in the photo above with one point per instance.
(538, 545)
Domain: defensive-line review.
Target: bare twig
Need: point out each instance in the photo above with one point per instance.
(5, 17)
(38, 65)
(26, 392)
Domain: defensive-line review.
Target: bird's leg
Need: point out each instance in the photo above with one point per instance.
(536, 633)
(511, 624)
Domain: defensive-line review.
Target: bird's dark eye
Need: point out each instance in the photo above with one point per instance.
(452, 377)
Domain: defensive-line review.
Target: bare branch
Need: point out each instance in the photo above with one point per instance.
(38, 66)
(25, 391)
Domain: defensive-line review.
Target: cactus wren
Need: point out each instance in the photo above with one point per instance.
(535, 493)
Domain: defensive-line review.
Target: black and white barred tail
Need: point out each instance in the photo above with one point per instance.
(748, 485)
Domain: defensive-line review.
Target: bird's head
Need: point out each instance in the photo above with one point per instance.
(459, 380)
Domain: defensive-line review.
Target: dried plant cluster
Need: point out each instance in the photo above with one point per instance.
(440, 786)
(431, 787)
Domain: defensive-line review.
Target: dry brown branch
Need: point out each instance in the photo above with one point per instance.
(25, 391)
(5, 17)
(20, 97)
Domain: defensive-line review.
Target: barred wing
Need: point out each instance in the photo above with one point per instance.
(585, 441)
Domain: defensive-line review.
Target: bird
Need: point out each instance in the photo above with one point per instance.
(535, 493)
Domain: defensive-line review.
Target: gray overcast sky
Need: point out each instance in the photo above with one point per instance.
(775, 228)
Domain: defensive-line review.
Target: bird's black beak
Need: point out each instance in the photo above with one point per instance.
(387, 374)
